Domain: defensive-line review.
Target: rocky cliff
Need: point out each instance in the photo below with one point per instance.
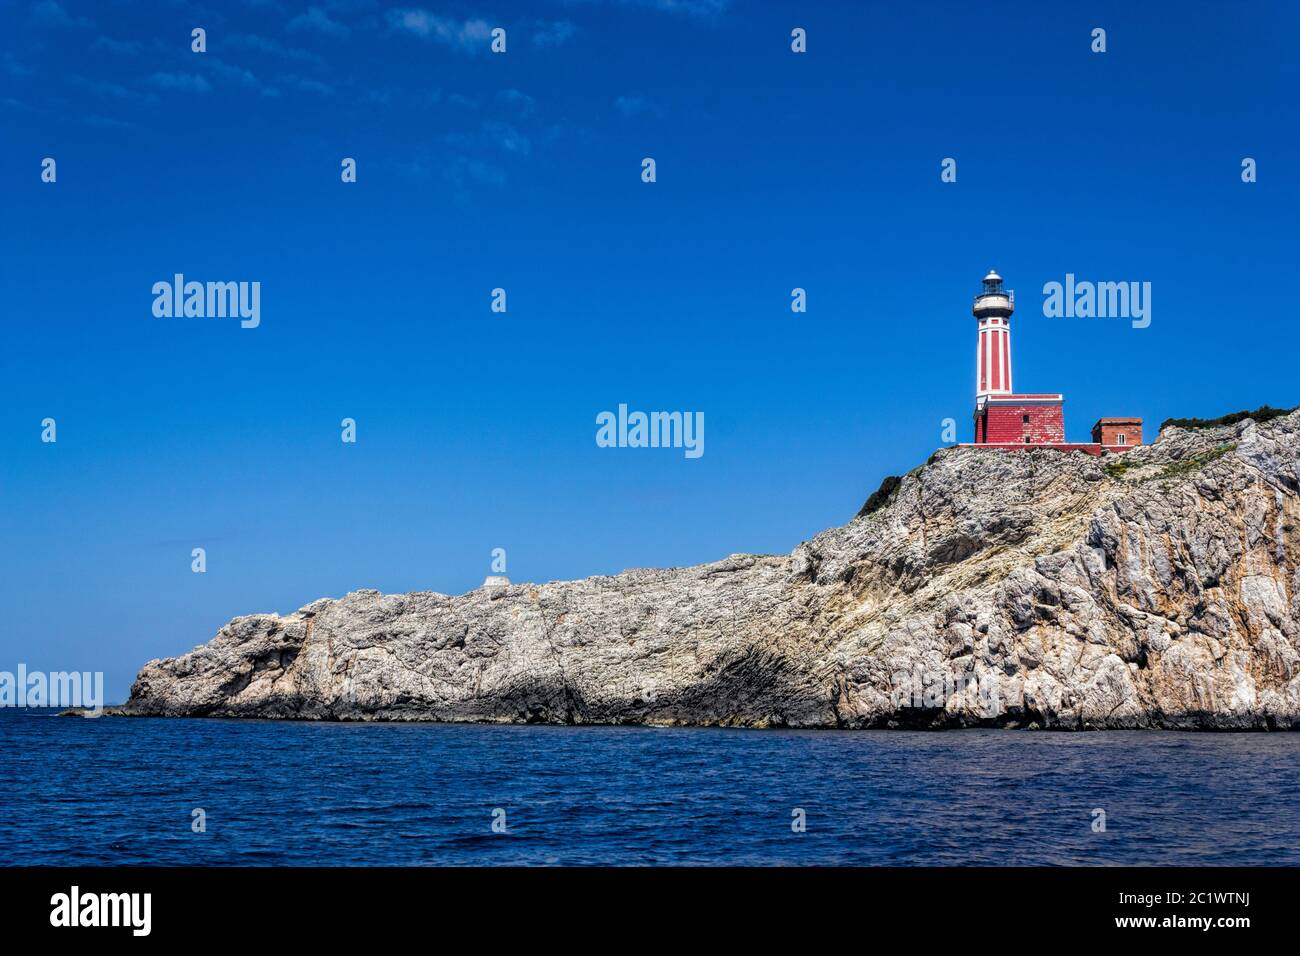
(1156, 589)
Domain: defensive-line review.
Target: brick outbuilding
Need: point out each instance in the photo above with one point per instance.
(1115, 433)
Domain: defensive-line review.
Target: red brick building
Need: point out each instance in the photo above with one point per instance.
(1117, 433)
(1008, 419)
(1020, 419)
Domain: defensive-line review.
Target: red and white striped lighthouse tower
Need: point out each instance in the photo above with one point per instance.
(993, 308)
(1001, 416)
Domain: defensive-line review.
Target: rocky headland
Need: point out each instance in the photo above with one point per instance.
(1159, 588)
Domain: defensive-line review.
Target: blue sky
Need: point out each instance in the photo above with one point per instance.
(522, 171)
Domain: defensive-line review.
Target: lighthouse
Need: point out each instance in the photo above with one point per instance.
(1003, 417)
(1022, 421)
(993, 308)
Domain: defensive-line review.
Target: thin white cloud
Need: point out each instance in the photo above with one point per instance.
(468, 35)
(507, 138)
(110, 90)
(307, 85)
(231, 74)
(318, 21)
(518, 100)
(49, 13)
(121, 47)
(268, 46)
(108, 122)
(548, 35)
(463, 170)
(693, 8)
(181, 82)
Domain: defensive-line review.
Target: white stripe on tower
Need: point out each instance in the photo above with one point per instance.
(997, 357)
(988, 360)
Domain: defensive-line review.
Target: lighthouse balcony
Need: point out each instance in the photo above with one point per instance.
(995, 300)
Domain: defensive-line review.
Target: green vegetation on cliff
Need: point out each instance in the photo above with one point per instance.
(1262, 414)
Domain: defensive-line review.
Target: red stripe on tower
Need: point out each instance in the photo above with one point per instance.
(983, 357)
(1006, 356)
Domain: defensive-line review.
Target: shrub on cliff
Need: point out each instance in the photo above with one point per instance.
(880, 496)
(1260, 415)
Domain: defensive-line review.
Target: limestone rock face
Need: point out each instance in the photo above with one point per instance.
(1156, 589)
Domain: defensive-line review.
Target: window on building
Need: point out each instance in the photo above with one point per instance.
(1121, 439)
(1026, 439)
(1025, 419)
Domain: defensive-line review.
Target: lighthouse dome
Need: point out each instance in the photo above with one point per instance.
(993, 300)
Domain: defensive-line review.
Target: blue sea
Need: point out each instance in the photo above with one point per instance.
(124, 791)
